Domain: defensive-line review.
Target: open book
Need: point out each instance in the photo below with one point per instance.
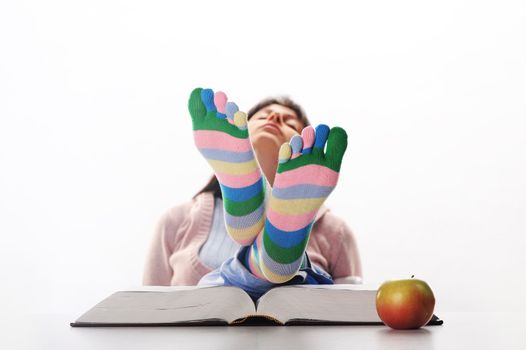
(287, 305)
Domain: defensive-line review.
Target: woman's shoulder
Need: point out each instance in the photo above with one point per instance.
(329, 223)
(334, 234)
(199, 206)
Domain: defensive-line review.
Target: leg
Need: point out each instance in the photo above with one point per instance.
(221, 135)
(306, 175)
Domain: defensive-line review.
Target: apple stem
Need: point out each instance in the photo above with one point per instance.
(412, 276)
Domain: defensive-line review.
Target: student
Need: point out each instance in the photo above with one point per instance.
(257, 224)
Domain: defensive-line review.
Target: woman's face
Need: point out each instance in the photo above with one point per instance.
(275, 124)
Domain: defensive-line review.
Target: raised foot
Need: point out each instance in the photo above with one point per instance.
(221, 136)
(307, 173)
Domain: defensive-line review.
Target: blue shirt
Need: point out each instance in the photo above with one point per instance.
(233, 273)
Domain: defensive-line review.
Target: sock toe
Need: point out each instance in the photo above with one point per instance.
(322, 132)
(296, 144)
(308, 136)
(207, 96)
(240, 120)
(336, 146)
(195, 104)
(220, 100)
(284, 153)
(230, 110)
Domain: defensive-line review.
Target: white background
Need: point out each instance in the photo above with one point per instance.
(96, 142)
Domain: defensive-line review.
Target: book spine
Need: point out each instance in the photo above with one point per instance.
(257, 320)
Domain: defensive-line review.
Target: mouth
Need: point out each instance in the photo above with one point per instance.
(272, 128)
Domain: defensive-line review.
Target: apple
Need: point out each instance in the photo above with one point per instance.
(405, 304)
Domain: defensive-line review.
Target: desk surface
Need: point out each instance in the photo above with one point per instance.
(460, 331)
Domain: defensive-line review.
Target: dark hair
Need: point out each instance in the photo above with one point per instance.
(285, 101)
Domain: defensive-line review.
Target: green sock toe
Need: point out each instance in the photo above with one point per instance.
(336, 146)
(196, 106)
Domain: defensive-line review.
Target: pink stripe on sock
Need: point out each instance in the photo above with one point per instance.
(290, 222)
(308, 174)
(259, 242)
(220, 101)
(239, 181)
(308, 136)
(220, 140)
(245, 242)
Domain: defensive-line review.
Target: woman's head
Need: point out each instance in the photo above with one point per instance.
(271, 122)
(282, 101)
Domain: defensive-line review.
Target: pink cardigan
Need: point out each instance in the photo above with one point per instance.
(173, 258)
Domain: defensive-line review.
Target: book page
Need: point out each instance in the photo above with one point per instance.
(327, 303)
(170, 305)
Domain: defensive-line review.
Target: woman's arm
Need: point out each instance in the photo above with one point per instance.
(333, 247)
(157, 270)
(346, 263)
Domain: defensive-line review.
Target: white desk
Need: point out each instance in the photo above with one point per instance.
(503, 331)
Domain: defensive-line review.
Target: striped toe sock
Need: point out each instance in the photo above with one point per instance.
(306, 175)
(221, 135)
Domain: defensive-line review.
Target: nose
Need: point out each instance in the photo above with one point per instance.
(276, 117)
